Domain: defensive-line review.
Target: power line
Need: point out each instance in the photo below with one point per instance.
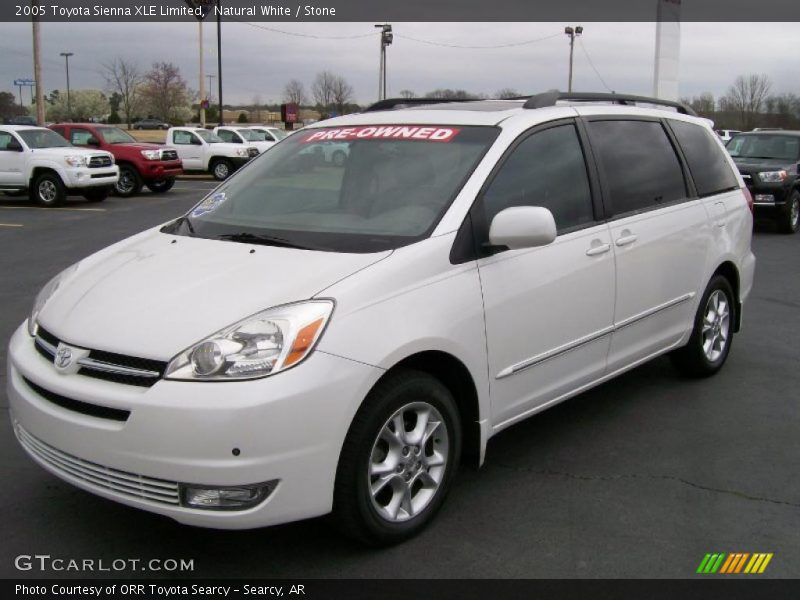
(468, 47)
(305, 35)
(591, 64)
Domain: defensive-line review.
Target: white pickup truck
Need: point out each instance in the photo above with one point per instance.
(41, 163)
(203, 150)
(245, 136)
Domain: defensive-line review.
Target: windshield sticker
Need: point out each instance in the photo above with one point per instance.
(391, 132)
(209, 205)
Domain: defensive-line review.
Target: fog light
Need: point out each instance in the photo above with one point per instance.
(237, 497)
(764, 199)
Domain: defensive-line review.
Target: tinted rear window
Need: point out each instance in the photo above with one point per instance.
(707, 162)
(640, 166)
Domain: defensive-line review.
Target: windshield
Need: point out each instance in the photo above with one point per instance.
(375, 188)
(250, 136)
(778, 147)
(278, 133)
(42, 138)
(115, 135)
(208, 136)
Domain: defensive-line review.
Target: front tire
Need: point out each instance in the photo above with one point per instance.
(398, 460)
(129, 182)
(712, 336)
(161, 187)
(221, 169)
(789, 218)
(48, 190)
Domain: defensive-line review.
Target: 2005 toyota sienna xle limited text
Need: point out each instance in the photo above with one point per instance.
(316, 337)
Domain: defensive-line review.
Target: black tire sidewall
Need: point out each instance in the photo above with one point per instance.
(214, 168)
(380, 405)
(137, 182)
(786, 224)
(61, 193)
(161, 187)
(695, 346)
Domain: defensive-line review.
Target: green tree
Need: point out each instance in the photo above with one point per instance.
(242, 118)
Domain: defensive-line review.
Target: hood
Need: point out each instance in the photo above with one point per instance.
(70, 151)
(160, 293)
(138, 146)
(763, 164)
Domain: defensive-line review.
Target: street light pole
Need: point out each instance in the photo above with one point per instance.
(386, 40)
(572, 33)
(66, 56)
(219, 58)
(37, 71)
(202, 76)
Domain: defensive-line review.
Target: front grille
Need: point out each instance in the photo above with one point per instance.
(122, 483)
(169, 155)
(108, 366)
(98, 162)
(78, 406)
(253, 152)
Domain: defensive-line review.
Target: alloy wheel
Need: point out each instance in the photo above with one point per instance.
(716, 325)
(48, 191)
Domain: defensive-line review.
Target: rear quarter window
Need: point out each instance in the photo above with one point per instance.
(707, 162)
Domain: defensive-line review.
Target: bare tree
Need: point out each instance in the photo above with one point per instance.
(703, 105)
(165, 92)
(746, 97)
(342, 93)
(124, 78)
(507, 94)
(294, 92)
(322, 89)
(448, 94)
(407, 94)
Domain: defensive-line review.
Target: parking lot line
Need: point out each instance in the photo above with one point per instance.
(11, 225)
(54, 208)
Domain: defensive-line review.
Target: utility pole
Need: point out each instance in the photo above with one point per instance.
(37, 71)
(66, 56)
(386, 40)
(202, 77)
(219, 59)
(572, 33)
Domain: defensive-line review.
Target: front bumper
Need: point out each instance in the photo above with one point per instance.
(83, 177)
(158, 170)
(289, 427)
(240, 161)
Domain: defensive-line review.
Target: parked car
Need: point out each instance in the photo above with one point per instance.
(769, 162)
(726, 134)
(150, 124)
(311, 339)
(203, 150)
(768, 129)
(139, 164)
(39, 162)
(244, 136)
(271, 134)
(335, 153)
(21, 120)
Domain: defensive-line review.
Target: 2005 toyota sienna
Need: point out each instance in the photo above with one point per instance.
(317, 337)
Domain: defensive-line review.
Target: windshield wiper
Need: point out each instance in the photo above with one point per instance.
(264, 240)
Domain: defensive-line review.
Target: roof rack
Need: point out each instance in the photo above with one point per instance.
(550, 99)
(397, 103)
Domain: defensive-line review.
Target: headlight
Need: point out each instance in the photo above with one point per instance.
(263, 344)
(772, 176)
(243, 152)
(151, 154)
(45, 294)
(77, 160)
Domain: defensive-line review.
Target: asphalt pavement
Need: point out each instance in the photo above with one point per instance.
(640, 477)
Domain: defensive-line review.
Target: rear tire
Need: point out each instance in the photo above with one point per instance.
(161, 187)
(391, 482)
(97, 195)
(129, 183)
(789, 218)
(221, 169)
(48, 190)
(712, 336)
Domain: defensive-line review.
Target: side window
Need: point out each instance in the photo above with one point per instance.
(547, 169)
(60, 131)
(268, 136)
(227, 136)
(641, 168)
(5, 138)
(80, 137)
(710, 169)
(183, 138)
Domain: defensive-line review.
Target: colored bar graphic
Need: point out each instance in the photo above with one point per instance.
(727, 564)
(703, 563)
(734, 563)
(764, 564)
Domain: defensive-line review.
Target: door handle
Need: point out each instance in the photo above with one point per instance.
(626, 238)
(596, 250)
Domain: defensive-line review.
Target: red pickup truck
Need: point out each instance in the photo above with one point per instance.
(139, 164)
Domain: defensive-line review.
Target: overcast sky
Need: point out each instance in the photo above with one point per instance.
(260, 62)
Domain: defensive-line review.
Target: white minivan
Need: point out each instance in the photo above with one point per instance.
(314, 338)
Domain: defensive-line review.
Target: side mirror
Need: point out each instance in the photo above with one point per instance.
(14, 145)
(522, 227)
(93, 141)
